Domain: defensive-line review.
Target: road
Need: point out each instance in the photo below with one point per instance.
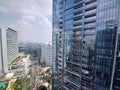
(33, 77)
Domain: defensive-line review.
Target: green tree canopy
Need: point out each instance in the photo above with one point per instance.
(42, 88)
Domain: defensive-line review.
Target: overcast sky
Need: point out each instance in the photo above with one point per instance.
(31, 18)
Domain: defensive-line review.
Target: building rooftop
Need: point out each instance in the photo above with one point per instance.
(18, 60)
(9, 75)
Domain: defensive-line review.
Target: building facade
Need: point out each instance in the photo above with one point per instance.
(89, 56)
(46, 54)
(57, 38)
(8, 47)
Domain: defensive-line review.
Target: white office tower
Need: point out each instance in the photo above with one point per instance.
(8, 48)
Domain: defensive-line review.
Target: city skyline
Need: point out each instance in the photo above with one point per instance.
(60, 45)
(30, 19)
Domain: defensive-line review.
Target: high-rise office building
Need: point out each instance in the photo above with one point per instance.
(89, 33)
(8, 48)
(106, 55)
(46, 54)
(58, 48)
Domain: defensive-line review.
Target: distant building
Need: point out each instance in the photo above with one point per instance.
(34, 49)
(29, 48)
(8, 48)
(46, 54)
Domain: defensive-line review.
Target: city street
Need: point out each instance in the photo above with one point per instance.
(33, 77)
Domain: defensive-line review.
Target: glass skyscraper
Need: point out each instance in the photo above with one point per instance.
(86, 44)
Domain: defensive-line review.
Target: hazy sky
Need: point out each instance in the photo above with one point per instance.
(31, 18)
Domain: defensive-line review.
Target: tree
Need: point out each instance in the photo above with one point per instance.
(42, 88)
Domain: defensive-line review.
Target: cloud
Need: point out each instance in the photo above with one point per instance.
(28, 18)
(11, 6)
(45, 6)
(34, 32)
(3, 9)
(33, 23)
(26, 6)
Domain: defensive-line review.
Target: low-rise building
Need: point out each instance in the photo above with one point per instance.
(21, 66)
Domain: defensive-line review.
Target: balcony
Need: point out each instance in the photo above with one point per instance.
(78, 10)
(77, 22)
(85, 65)
(65, 87)
(90, 15)
(77, 18)
(76, 35)
(77, 28)
(76, 81)
(72, 72)
(78, 2)
(75, 63)
(91, 12)
(89, 1)
(91, 5)
(77, 41)
(73, 84)
(90, 32)
(87, 77)
(91, 25)
(76, 51)
(86, 82)
(85, 88)
(78, 15)
(91, 19)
